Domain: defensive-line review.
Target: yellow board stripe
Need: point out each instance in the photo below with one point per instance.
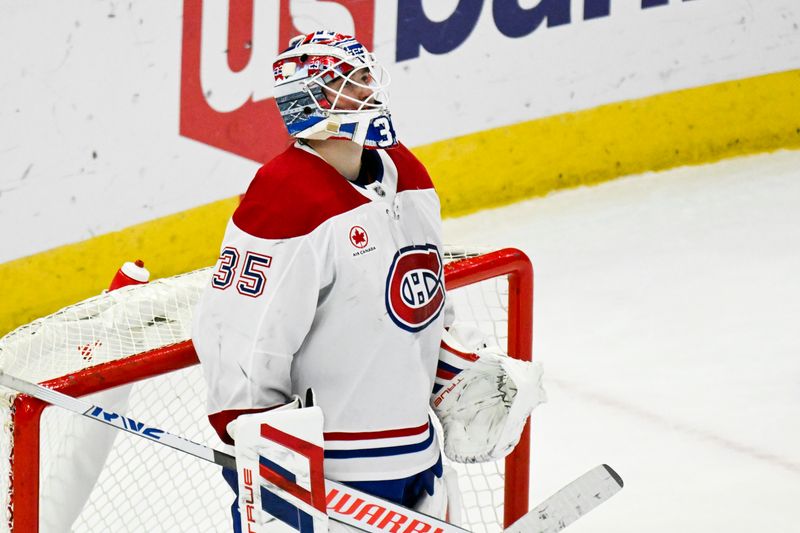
(471, 172)
(43, 283)
(692, 126)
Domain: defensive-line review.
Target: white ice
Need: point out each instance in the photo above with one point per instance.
(667, 315)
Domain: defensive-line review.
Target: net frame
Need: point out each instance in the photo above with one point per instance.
(26, 412)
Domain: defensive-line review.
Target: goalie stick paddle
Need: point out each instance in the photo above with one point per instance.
(554, 514)
(570, 503)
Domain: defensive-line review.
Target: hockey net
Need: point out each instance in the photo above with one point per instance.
(128, 351)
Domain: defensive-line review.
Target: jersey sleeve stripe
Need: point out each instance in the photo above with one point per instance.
(463, 355)
(446, 374)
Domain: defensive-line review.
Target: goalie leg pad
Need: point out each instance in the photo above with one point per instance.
(279, 455)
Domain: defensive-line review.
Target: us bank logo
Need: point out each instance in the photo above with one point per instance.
(229, 45)
(226, 65)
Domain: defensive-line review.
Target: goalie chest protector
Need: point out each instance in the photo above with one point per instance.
(326, 284)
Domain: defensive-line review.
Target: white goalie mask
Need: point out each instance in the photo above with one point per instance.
(328, 86)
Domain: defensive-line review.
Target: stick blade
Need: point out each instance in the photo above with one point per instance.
(570, 502)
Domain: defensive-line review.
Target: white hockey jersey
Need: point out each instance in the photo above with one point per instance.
(326, 284)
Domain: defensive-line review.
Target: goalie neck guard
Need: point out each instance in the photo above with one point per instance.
(328, 86)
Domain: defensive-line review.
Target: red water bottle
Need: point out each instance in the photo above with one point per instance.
(130, 274)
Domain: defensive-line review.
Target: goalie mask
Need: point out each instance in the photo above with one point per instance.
(328, 86)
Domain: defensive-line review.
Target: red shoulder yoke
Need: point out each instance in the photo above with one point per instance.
(292, 195)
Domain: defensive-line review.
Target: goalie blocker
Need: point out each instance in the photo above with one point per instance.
(279, 456)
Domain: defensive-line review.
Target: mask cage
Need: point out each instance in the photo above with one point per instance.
(351, 71)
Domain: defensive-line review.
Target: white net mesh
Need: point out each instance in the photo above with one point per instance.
(105, 328)
(154, 488)
(485, 306)
(142, 486)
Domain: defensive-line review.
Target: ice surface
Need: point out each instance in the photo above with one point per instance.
(667, 315)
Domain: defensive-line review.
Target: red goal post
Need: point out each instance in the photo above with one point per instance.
(25, 460)
(517, 267)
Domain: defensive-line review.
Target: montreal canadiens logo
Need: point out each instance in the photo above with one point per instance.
(358, 237)
(415, 287)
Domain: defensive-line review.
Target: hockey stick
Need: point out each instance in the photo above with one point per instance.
(570, 503)
(391, 515)
(554, 514)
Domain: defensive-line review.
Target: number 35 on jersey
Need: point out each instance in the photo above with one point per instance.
(250, 280)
